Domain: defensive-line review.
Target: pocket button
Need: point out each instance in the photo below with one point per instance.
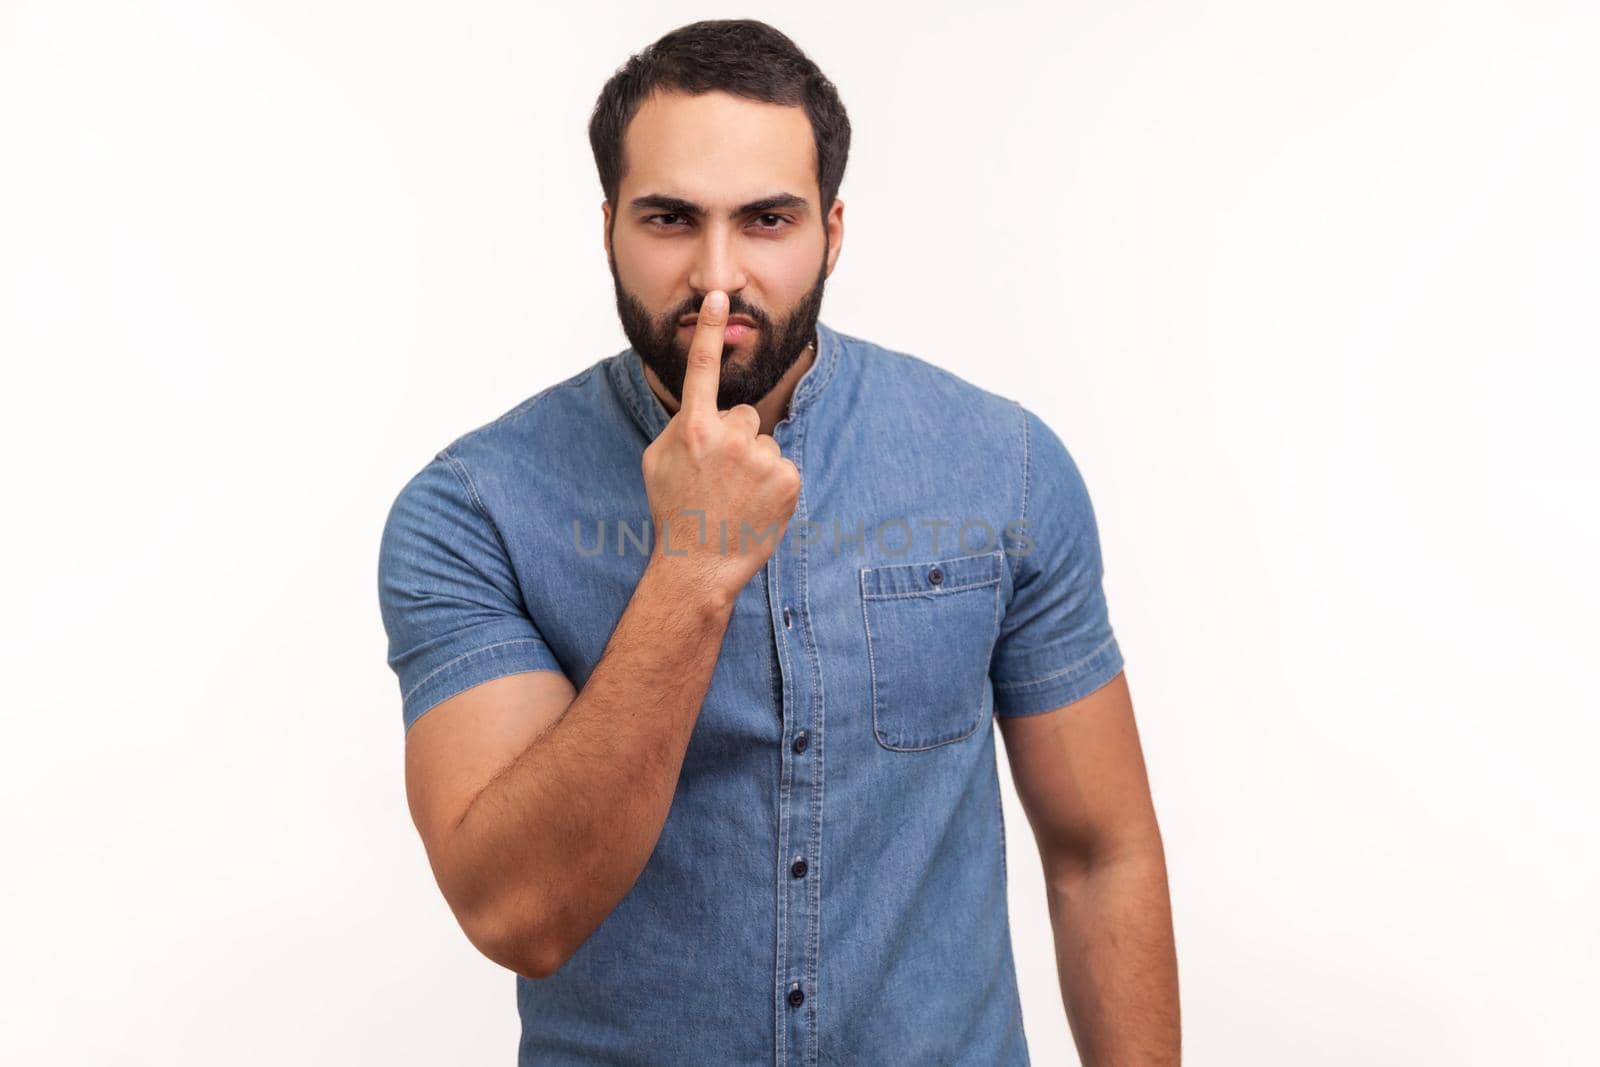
(936, 576)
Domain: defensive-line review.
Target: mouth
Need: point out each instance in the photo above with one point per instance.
(738, 328)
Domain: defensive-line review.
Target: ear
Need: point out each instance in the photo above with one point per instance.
(835, 224)
(605, 227)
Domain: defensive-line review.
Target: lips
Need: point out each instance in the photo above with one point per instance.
(733, 320)
(732, 334)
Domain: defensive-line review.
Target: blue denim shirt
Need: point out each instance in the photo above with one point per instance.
(830, 883)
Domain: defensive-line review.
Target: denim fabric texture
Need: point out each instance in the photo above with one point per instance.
(830, 883)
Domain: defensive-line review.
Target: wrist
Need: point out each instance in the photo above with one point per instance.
(687, 585)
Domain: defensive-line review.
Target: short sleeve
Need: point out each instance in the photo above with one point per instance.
(450, 601)
(1055, 644)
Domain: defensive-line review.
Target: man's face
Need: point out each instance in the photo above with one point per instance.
(720, 192)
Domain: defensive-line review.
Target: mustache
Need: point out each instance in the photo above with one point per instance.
(736, 306)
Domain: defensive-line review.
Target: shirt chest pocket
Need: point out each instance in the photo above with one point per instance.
(931, 628)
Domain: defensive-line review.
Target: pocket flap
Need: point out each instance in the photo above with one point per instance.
(931, 577)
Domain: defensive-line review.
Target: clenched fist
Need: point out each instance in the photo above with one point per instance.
(721, 492)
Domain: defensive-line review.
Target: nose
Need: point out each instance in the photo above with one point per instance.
(716, 262)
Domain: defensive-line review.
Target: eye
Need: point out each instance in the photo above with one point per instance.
(778, 221)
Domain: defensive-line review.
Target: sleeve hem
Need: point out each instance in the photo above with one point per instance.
(1061, 687)
(516, 656)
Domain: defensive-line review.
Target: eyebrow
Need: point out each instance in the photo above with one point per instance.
(680, 206)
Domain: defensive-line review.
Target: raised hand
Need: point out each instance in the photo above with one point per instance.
(717, 463)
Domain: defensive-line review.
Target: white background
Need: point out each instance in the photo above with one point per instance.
(1309, 291)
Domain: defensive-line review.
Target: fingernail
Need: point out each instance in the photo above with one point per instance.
(716, 301)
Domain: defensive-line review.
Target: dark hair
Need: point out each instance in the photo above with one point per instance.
(743, 57)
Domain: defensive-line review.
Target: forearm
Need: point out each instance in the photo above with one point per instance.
(1116, 958)
(559, 837)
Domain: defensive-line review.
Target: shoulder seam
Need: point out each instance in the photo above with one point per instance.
(532, 401)
(459, 469)
(943, 372)
(570, 383)
(1022, 518)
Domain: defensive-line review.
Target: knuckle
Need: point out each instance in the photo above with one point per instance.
(698, 433)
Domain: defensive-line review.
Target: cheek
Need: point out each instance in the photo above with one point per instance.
(651, 270)
(788, 275)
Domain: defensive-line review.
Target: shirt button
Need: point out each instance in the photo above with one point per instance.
(796, 998)
(936, 576)
(799, 869)
(786, 621)
(799, 745)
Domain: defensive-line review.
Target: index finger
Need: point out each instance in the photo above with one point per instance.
(704, 372)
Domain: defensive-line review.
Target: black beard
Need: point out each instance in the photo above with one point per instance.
(744, 382)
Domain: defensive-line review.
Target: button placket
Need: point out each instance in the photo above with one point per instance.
(798, 797)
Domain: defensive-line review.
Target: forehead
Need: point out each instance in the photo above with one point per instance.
(718, 148)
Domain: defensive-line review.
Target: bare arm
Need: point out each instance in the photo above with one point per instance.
(554, 841)
(1081, 778)
(540, 808)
